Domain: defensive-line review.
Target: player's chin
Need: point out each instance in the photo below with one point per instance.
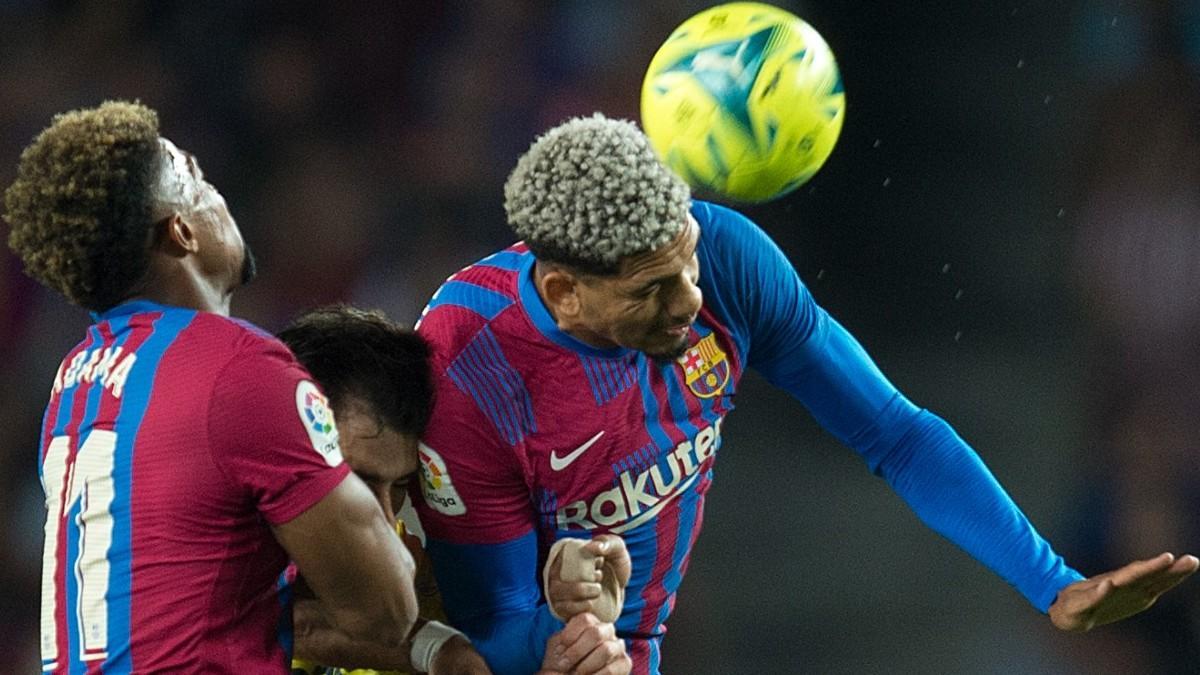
(249, 269)
(667, 349)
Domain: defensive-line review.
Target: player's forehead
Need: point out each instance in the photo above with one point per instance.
(371, 448)
(177, 161)
(178, 175)
(667, 259)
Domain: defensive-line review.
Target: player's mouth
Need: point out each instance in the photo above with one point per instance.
(678, 331)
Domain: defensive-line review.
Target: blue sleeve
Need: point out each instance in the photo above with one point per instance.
(492, 593)
(797, 346)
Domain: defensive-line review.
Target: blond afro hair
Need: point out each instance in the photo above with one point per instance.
(591, 192)
(80, 205)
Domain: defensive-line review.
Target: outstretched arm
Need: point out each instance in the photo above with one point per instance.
(1115, 595)
(800, 348)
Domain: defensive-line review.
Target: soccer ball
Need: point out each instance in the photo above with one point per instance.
(744, 100)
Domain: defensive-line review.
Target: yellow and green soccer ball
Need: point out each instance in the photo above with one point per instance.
(743, 100)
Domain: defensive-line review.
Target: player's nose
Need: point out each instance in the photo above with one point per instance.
(685, 303)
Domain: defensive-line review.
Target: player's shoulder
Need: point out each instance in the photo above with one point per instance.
(475, 300)
(731, 240)
(232, 339)
(720, 224)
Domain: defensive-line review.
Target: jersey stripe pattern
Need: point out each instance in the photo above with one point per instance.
(620, 443)
(517, 398)
(158, 553)
(87, 442)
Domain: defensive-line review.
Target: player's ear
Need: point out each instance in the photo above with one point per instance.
(560, 290)
(174, 236)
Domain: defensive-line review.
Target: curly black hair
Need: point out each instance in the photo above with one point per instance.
(353, 352)
(80, 207)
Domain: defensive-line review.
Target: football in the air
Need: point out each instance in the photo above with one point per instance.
(743, 100)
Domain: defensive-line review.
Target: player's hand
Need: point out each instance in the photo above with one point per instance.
(457, 657)
(1118, 594)
(586, 647)
(613, 551)
(613, 568)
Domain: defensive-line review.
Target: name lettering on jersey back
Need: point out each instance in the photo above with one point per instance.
(106, 365)
(639, 497)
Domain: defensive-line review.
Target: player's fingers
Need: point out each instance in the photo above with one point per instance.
(622, 666)
(599, 545)
(611, 547)
(1177, 574)
(1100, 591)
(1186, 565)
(576, 626)
(1152, 592)
(1142, 569)
(574, 607)
(599, 658)
(588, 638)
(574, 590)
(607, 545)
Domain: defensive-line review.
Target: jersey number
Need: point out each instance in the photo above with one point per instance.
(88, 482)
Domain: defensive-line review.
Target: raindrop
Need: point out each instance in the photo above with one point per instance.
(887, 182)
(945, 268)
(958, 336)
(1047, 100)
(958, 294)
(1020, 63)
(1114, 21)
(1062, 212)
(876, 144)
(820, 274)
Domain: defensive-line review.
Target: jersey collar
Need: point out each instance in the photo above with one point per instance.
(128, 308)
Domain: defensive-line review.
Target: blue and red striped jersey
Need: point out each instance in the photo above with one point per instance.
(537, 436)
(172, 441)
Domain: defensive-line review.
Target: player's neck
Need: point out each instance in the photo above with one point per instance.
(182, 286)
(187, 300)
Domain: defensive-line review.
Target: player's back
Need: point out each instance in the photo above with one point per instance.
(158, 556)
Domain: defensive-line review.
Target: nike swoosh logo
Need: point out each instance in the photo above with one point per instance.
(559, 463)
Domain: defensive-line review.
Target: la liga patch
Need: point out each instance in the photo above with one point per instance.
(436, 487)
(318, 422)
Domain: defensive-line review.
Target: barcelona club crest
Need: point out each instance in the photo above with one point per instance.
(705, 367)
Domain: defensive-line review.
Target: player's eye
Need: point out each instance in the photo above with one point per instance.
(647, 291)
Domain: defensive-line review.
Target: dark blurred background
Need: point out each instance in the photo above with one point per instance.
(1010, 223)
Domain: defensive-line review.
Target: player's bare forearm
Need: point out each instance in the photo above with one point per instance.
(349, 554)
(318, 641)
(1121, 593)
